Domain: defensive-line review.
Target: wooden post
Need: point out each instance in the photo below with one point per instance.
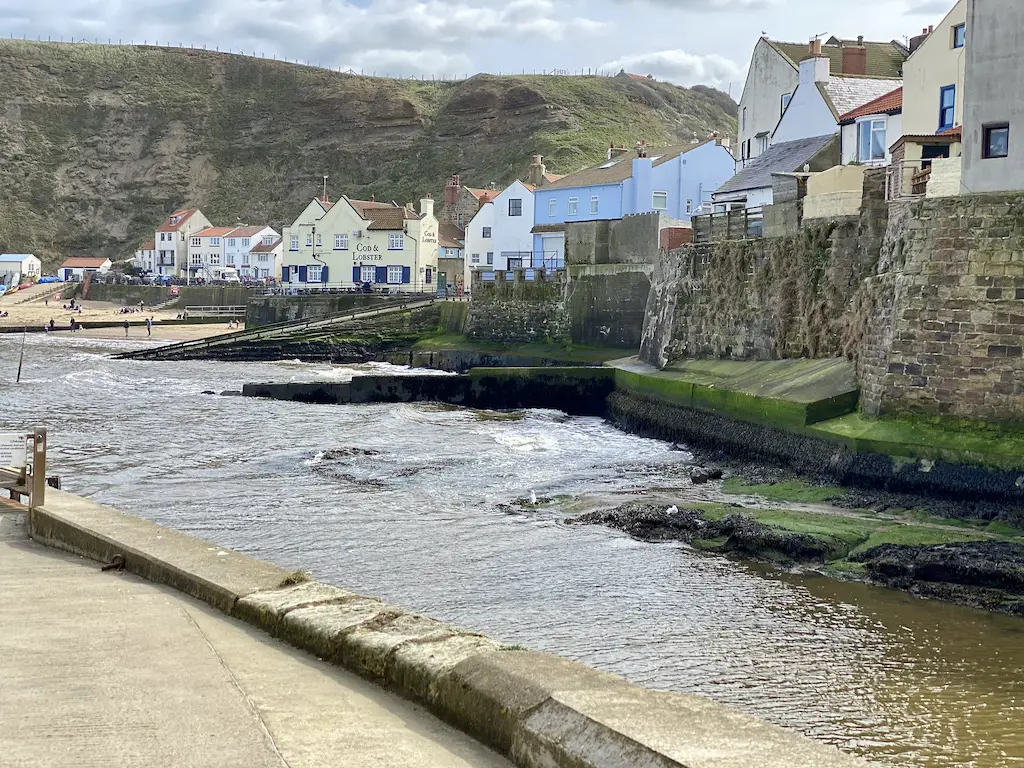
(38, 496)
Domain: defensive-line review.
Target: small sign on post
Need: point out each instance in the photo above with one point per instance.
(12, 450)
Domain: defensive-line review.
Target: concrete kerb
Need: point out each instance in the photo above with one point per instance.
(540, 710)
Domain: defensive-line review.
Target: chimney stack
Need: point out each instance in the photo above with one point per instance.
(815, 47)
(427, 206)
(537, 171)
(855, 58)
(451, 190)
(917, 40)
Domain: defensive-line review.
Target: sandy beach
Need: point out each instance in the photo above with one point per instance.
(160, 332)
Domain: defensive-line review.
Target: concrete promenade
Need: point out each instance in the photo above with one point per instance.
(105, 669)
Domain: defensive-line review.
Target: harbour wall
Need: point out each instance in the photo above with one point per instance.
(188, 295)
(269, 310)
(539, 710)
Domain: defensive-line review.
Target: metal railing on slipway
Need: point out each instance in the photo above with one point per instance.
(200, 312)
(23, 466)
(277, 330)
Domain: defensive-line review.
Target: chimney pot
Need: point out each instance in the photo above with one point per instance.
(931, 28)
(860, 39)
(815, 47)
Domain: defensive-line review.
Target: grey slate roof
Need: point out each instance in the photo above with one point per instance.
(845, 94)
(787, 157)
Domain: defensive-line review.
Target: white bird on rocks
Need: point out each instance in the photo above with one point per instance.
(533, 498)
(673, 510)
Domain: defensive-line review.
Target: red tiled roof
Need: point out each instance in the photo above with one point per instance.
(450, 236)
(888, 103)
(956, 130)
(483, 195)
(83, 262)
(262, 247)
(551, 178)
(383, 216)
(213, 232)
(149, 245)
(182, 216)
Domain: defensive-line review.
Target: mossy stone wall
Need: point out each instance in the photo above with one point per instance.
(518, 311)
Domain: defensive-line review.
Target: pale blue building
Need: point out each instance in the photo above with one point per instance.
(675, 181)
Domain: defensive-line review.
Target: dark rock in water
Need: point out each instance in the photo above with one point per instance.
(701, 475)
(995, 564)
(209, 392)
(231, 393)
(334, 454)
(743, 535)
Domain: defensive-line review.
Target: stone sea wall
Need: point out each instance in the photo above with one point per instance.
(268, 310)
(518, 311)
(945, 312)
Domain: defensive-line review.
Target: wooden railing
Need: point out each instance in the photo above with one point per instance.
(23, 466)
(737, 224)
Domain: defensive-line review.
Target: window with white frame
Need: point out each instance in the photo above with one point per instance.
(341, 242)
(394, 275)
(309, 240)
(263, 258)
(490, 257)
(246, 243)
(449, 253)
(245, 259)
(574, 205)
(215, 258)
(196, 241)
(368, 274)
(268, 239)
(659, 201)
(313, 274)
(196, 259)
(231, 242)
(396, 241)
(230, 260)
(475, 259)
(595, 201)
(870, 141)
(486, 233)
(689, 206)
(552, 207)
(762, 144)
(264, 273)
(294, 245)
(319, 241)
(214, 241)
(515, 207)
(786, 98)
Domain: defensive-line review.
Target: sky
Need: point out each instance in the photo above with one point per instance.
(687, 42)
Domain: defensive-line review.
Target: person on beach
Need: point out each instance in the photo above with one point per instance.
(149, 326)
(126, 329)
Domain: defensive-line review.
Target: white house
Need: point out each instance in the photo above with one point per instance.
(265, 259)
(500, 236)
(773, 76)
(479, 247)
(353, 242)
(76, 268)
(172, 240)
(16, 268)
(238, 247)
(206, 254)
(145, 258)
(821, 98)
(869, 132)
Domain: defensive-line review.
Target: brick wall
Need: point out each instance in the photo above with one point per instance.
(944, 329)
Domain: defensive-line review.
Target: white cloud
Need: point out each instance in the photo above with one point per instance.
(682, 68)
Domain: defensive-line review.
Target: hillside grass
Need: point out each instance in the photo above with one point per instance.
(98, 143)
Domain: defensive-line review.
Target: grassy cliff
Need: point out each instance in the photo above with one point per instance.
(98, 143)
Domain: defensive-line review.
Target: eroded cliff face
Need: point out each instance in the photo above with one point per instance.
(98, 143)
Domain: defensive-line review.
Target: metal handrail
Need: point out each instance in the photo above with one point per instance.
(267, 331)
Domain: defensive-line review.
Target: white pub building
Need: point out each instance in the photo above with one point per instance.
(349, 243)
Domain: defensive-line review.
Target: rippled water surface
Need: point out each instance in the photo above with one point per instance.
(403, 502)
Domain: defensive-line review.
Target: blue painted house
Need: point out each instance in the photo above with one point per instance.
(675, 181)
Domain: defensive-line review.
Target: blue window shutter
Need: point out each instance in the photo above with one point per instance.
(355, 274)
(302, 274)
(406, 275)
(284, 274)
(323, 274)
(382, 275)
